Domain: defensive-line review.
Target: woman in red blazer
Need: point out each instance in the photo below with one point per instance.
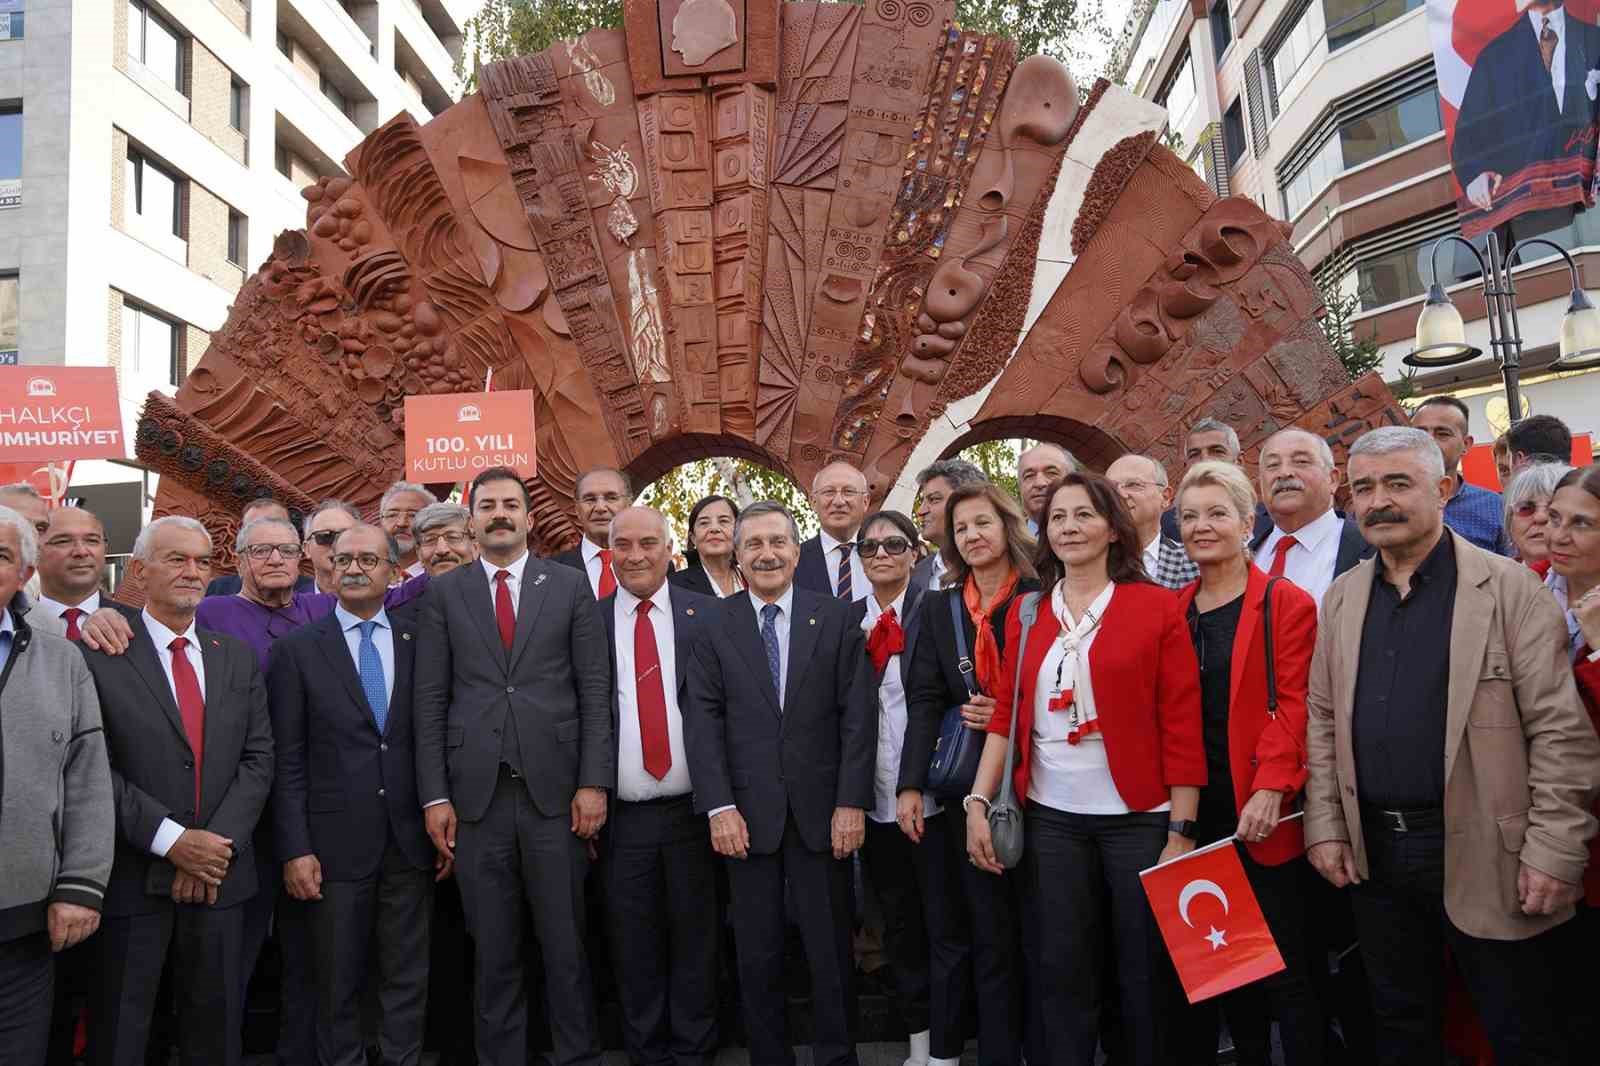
(1255, 748)
(1109, 767)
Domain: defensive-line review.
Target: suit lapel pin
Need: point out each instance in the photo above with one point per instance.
(689, 611)
(405, 636)
(539, 580)
(813, 621)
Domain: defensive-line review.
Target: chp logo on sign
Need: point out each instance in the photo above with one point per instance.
(57, 414)
(456, 436)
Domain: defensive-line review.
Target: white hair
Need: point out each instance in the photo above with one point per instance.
(1324, 452)
(325, 506)
(400, 488)
(249, 527)
(666, 530)
(1535, 483)
(27, 539)
(437, 516)
(21, 488)
(1388, 440)
(142, 543)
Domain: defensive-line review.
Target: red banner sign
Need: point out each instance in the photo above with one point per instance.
(49, 480)
(57, 413)
(1209, 917)
(458, 435)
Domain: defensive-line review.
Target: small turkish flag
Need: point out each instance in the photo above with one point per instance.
(1209, 917)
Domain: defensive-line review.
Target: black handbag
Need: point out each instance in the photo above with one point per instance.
(954, 764)
(1272, 660)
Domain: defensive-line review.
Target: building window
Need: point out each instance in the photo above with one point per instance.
(155, 44)
(1395, 126)
(11, 23)
(10, 156)
(236, 238)
(10, 286)
(1392, 276)
(1179, 95)
(280, 160)
(1233, 133)
(1350, 20)
(1292, 52)
(237, 107)
(154, 196)
(1221, 29)
(285, 44)
(149, 343)
(335, 97)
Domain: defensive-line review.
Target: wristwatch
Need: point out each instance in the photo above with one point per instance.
(1184, 827)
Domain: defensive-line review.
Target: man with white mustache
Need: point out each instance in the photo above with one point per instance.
(1310, 543)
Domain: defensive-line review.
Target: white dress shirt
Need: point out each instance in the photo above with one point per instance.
(382, 639)
(1575, 638)
(513, 583)
(56, 609)
(592, 564)
(634, 782)
(1071, 777)
(168, 832)
(1152, 554)
(891, 725)
(1558, 62)
(781, 625)
(859, 586)
(936, 570)
(1311, 559)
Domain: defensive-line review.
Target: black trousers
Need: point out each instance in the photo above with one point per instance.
(273, 913)
(514, 857)
(926, 958)
(26, 981)
(449, 1015)
(206, 944)
(1080, 878)
(384, 918)
(820, 891)
(983, 912)
(1404, 931)
(660, 883)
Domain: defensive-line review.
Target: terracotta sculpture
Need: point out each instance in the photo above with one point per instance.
(789, 232)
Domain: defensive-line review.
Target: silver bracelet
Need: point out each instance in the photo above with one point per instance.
(969, 797)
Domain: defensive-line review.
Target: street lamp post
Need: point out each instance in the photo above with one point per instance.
(1441, 338)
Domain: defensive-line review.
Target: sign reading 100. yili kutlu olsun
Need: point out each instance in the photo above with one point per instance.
(456, 436)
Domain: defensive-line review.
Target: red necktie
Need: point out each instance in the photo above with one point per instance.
(608, 580)
(886, 640)
(651, 694)
(192, 708)
(1282, 555)
(72, 614)
(504, 616)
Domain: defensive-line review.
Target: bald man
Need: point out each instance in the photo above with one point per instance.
(828, 562)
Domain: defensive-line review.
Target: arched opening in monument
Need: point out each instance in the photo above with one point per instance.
(1092, 447)
(665, 456)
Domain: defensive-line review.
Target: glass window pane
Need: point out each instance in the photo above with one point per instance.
(158, 199)
(136, 30)
(11, 145)
(155, 343)
(9, 286)
(161, 51)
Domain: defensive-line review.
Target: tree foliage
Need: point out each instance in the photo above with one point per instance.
(1356, 349)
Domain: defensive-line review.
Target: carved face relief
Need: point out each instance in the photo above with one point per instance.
(701, 29)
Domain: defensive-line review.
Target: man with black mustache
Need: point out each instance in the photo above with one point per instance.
(1452, 768)
(1310, 543)
(515, 757)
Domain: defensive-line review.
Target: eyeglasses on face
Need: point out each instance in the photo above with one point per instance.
(892, 545)
(840, 494)
(264, 551)
(367, 561)
(324, 538)
(1529, 508)
(395, 514)
(453, 537)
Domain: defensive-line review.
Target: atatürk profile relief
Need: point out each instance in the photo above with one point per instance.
(701, 29)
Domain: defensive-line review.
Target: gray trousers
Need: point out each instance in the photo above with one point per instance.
(514, 856)
(384, 916)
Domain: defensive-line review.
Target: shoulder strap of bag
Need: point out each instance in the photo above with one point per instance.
(958, 611)
(1029, 606)
(1272, 660)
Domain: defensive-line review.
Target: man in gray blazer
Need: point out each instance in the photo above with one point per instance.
(515, 758)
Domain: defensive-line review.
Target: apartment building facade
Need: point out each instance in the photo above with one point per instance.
(151, 150)
(1327, 114)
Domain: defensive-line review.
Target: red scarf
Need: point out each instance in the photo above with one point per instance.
(886, 640)
(986, 652)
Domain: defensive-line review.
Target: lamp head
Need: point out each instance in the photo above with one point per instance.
(1580, 335)
(1441, 334)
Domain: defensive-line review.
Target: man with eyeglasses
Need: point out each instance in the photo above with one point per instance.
(72, 562)
(322, 527)
(828, 562)
(1142, 483)
(396, 511)
(443, 540)
(263, 507)
(601, 495)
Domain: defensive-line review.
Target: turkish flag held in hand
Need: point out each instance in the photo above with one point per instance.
(1209, 917)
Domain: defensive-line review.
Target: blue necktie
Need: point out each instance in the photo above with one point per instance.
(769, 637)
(371, 666)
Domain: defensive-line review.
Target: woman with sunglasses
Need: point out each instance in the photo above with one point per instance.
(1253, 730)
(1527, 501)
(1109, 764)
(987, 565)
(711, 569)
(898, 869)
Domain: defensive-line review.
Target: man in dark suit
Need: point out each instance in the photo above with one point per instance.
(600, 493)
(782, 733)
(1211, 439)
(828, 563)
(1529, 99)
(349, 827)
(1309, 543)
(659, 871)
(514, 739)
(190, 744)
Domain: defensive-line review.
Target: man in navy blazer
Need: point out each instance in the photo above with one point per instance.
(348, 821)
(658, 871)
(781, 731)
(828, 563)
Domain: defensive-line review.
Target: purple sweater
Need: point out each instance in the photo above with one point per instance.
(259, 626)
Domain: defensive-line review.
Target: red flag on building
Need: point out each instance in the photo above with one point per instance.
(1209, 917)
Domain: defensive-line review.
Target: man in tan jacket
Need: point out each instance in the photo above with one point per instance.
(1452, 767)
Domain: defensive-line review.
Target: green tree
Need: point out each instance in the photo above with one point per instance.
(1356, 348)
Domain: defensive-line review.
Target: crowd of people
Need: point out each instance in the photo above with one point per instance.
(416, 757)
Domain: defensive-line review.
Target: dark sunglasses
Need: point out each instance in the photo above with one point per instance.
(324, 538)
(892, 545)
(1528, 508)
